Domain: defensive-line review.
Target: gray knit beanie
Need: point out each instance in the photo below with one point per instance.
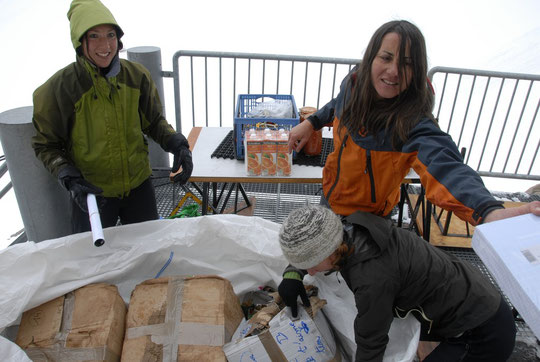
(309, 235)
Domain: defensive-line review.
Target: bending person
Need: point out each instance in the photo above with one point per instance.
(382, 127)
(393, 273)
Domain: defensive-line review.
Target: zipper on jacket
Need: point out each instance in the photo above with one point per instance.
(338, 169)
(369, 171)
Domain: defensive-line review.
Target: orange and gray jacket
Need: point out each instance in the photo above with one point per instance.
(98, 122)
(365, 172)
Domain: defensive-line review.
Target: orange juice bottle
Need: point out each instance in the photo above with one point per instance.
(253, 152)
(284, 158)
(269, 153)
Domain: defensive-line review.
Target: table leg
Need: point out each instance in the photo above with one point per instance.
(427, 221)
(244, 195)
(205, 191)
(277, 201)
(237, 188)
(236, 198)
(215, 199)
(403, 191)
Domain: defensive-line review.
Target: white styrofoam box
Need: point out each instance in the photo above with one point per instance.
(510, 249)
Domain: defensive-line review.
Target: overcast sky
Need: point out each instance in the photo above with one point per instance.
(469, 34)
(498, 35)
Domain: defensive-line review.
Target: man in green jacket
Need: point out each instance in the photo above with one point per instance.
(91, 120)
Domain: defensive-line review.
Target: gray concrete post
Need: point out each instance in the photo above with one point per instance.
(43, 203)
(150, 57)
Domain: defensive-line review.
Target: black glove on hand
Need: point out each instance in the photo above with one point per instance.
(72, 180)
(289, 290)
(179, 147)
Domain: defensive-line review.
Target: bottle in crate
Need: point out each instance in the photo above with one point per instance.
(253, 152)
(269, 153)
(284, 158)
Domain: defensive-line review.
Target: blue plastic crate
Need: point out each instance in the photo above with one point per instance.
(246, 102)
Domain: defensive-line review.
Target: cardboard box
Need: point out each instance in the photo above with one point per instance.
(285, 339)
(181, 319)
(84, 325)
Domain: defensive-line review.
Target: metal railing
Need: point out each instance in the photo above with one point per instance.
(4, 175)
(207, 84)
(490, 115)
(493, 116)
(3, 171)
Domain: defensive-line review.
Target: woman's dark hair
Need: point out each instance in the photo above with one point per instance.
(363, 112)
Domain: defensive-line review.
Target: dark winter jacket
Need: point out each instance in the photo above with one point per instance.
(392, 272)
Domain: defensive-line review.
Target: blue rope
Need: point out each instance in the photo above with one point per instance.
(165, 266)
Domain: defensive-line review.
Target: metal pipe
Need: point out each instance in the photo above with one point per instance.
(43, 203)
(150, 58)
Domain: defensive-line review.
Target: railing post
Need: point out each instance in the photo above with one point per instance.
(150, 57)
(43, 203)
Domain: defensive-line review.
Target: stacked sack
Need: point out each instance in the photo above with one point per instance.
(169, 319)
(84, 325)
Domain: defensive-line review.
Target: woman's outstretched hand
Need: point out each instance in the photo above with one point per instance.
(499, 214)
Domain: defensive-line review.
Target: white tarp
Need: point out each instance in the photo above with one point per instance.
(242, 249)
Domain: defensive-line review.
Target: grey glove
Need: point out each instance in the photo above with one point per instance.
(72, 180)
(179, 147)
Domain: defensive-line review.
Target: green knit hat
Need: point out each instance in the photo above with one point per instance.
(84, 15)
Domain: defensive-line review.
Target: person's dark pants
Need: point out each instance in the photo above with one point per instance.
(139, 206)
(491, 341)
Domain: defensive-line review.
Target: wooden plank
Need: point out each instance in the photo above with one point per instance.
(193, 136)
(248, 211)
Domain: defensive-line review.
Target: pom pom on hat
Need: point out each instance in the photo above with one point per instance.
(309, 235)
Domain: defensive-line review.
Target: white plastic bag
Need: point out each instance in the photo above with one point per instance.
(403, 336)
(272, 109)
(11, 352)
(244, 250)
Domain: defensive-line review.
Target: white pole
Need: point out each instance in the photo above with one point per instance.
(95, 221)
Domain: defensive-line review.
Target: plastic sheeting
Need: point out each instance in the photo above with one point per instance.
(244, 250)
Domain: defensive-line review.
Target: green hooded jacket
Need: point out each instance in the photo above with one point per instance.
(97, 122)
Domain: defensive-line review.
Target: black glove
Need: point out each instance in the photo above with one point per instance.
(179, 147)
(289, 290)
(72, 180)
